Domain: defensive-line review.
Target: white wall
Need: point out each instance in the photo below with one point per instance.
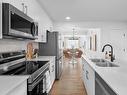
(12, 45)
(111, 32)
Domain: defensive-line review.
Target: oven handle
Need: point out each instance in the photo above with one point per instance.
(12, 63)
(31, 86)
(39, 72)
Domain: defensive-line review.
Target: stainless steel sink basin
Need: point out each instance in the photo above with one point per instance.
(103, 63)
(97, 60)
(106, 64)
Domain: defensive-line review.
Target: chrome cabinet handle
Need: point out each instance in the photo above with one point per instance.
(23, 7)
(83, 67)
(52, 68)
(87, 75)
(26, 7)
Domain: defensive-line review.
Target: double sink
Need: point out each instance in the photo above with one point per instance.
(103, 63)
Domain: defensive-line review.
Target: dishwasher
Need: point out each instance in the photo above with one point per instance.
(101, 87)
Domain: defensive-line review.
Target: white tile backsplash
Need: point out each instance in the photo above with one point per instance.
(7, 45)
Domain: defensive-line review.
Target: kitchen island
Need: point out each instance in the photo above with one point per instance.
(115, 77)
(13, 85)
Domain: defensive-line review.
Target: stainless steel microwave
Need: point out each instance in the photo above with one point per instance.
(17, 24)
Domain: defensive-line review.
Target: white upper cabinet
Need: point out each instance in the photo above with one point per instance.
(17, 3)
(35, 11)
(5, 1)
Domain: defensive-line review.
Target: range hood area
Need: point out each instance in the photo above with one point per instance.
(16, 24)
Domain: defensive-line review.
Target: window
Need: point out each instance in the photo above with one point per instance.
(72, 44)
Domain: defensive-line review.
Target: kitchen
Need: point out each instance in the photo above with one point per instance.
(105, 19)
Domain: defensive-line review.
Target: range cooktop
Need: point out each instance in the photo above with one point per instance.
(14, 63)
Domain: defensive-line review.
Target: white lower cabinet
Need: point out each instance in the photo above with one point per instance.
(52, 70)
(88, 77)
(20, 89)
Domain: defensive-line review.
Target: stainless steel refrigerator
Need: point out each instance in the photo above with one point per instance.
(53, 48)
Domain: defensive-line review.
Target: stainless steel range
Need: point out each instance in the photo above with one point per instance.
(14, 63)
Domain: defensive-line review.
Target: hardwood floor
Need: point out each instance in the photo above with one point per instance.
(70, 82)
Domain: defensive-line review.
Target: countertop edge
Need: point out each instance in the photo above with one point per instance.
(41, 58)
(16, 84)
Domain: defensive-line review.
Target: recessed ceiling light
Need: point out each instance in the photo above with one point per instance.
(68, 18)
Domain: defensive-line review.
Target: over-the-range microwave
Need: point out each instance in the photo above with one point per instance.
(16, 24)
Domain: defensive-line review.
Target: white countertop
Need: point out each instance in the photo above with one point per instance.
(8, 83)
(42, 58)
(115, 77)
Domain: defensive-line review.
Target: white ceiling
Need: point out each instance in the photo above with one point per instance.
(86, 10)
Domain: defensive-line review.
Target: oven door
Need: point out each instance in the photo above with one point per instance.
(38, 87)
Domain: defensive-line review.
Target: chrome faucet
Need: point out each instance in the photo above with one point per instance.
(112, 57)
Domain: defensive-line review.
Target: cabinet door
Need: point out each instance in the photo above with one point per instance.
(35, 11)
(5, 1)
(52, 70)
(83, 71)
(17, 4)
(44, 35)
(32, 8)
(84, 67)
(19, 90)
(52, 74)
(53, 61)
(89, 78)
(86, 77)
(90, 75)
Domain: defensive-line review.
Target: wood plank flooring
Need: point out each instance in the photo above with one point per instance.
(70, 82)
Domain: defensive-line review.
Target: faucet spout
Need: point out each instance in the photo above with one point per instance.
(112, 58)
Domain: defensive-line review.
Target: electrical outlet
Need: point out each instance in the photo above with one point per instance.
(124, 35)
(124, 50)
